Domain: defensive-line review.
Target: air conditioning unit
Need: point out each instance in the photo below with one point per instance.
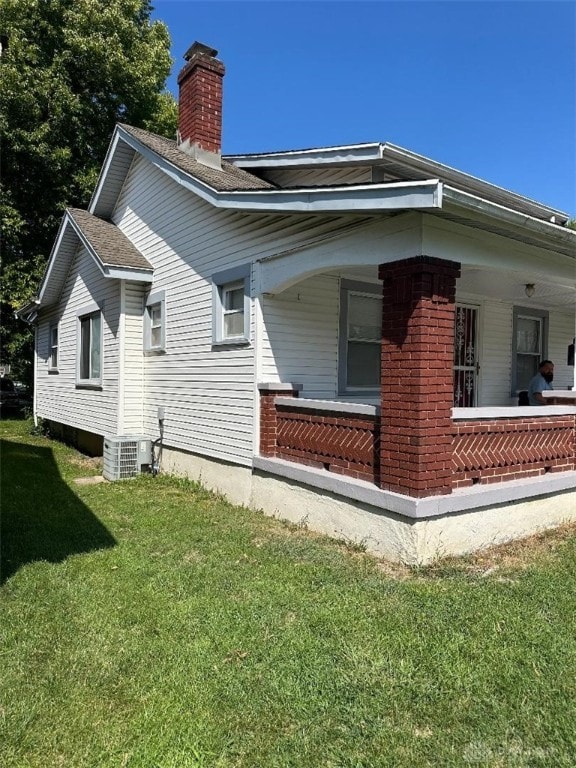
(125, 456)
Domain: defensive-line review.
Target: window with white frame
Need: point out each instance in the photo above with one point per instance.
(155, 323)
(360, 337)
(89, 347)
(529, 345)
(233, 311)
(231, 306)
(53, 358)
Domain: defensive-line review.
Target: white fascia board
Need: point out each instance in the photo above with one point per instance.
(434, 168)
(51, 261)
(127, 273)
(353, 153)
(111, 271)
(474, 204)
(370, 197)
(362, 197)
(105, 169)
(366, 197)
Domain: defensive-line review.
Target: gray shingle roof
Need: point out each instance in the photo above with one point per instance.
(108, 242)
(230, 178)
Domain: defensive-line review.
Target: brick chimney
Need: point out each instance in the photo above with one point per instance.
(200, 105)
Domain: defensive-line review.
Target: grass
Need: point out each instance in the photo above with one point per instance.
(149, 624)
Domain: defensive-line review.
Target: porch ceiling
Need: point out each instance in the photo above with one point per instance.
(501, 286)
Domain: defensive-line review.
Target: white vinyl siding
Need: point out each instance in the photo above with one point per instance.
(207, 394)
(300, 341)
(208, 391)
(58, 398)
(495, 339)
(560, 335)
(133, 373)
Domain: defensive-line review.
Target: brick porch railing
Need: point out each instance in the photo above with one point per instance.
(344, 438)
(339, 437)
(496, 450)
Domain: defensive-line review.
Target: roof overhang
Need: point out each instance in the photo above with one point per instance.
(311, 158)
(396, 161)
(70, 236)
(491, 216)
(425, 186)
(421, 194)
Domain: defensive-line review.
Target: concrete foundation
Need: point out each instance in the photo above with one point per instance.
(381, 531)
(393, 526)
(230, 480)
(86, 442)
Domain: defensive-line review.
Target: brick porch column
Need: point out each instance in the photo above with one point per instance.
(268, 420)
(417, 384)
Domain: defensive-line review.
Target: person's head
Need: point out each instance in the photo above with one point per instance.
(546, 368)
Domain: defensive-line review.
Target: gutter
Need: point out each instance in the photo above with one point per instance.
(478, 205)
(28, 312)
(345, 154)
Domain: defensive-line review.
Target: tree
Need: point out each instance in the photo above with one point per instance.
(70, 70)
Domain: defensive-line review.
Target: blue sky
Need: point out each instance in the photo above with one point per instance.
(487, 87)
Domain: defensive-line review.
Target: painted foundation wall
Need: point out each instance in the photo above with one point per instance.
(382, 533)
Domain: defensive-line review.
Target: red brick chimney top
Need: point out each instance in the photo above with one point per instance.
(200, 104)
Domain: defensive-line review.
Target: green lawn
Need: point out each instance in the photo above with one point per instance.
(149, 624)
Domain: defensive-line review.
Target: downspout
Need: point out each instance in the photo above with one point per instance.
(574, 361)
(258, 338)
(35, 378)
(121, 354)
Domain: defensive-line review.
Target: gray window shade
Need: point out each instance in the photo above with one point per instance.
(363, 364)
(364, 334)
(364, 317)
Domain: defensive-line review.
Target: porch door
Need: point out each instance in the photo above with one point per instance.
(466, 364)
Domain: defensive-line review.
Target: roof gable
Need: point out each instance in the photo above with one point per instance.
(127, 141)
(112, 251)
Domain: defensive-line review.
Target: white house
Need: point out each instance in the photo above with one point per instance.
(337, 335)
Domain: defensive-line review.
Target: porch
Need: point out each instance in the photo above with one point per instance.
(427, 430)
(324, 464)
(487, 445)
(405, 433)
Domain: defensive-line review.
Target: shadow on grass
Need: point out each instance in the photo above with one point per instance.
(41, 518)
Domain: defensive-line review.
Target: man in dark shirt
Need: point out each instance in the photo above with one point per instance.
(540, 383)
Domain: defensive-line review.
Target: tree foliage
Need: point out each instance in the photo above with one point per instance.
(71, 70)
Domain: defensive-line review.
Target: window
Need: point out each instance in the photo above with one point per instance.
(53, 358)
(360, 337)
(89, 347)
(231, 306)
(233, 311)
(155, 323)
(529, 345)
